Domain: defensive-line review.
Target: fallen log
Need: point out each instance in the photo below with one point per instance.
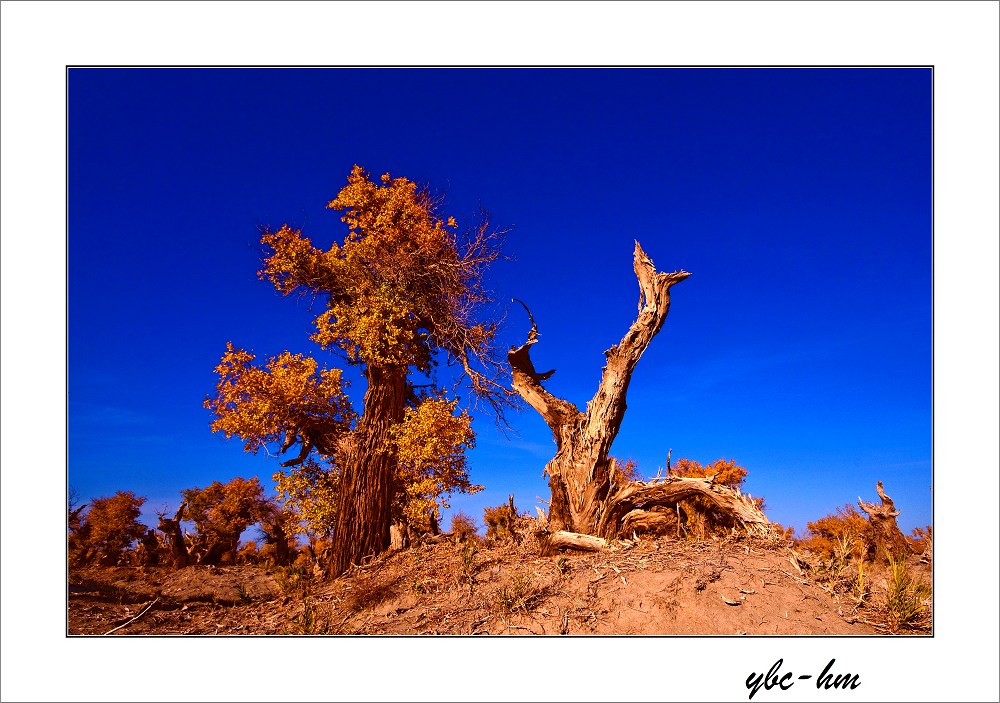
(563, 539)
(639, 505)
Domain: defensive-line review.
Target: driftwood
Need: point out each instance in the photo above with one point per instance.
(638, 507)
(585, 498)
(886, 535)
(562, 539)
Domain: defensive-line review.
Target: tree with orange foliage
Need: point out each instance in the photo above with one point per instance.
(402, 293)
(110, 528)
(221, 512)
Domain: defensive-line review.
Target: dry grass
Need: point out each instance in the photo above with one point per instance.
(907, 599)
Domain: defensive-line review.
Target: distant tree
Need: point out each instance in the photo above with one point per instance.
(624, 471)
(221, 512)
(111, 527)
(247, 553)
(173, 536)
(278, 526)
(76, 529)
(403, 292)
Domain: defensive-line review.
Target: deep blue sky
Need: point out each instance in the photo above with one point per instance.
(800, 199)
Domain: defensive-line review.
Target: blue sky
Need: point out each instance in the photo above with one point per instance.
(800, 199)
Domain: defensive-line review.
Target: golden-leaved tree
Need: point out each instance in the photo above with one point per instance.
(109, 529)
(221, 512)
(403, 292)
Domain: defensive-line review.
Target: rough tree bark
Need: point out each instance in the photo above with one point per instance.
(366, 484)
(886, 535)
(584, 496)
(171, 527)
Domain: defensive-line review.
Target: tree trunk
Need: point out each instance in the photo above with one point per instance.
(171, 527)
(584, 496)
(886, 535)
(366, 484)
(399, 536)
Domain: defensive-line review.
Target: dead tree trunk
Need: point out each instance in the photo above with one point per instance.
(584, 496)
(171, 527)
(364, 509)
(886, 535)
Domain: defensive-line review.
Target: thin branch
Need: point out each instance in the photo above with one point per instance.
(142, 612)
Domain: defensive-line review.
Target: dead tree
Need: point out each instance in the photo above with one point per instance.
(148, 551)
(585, 498)
(171, 528)
(886, 536)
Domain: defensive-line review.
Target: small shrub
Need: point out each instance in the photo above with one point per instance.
(839, 535)
(500, 521)
(367, 593)
(243, 594)
(463, 527)
(516, 596)
(469, 553)
(860, 584)
(292, 580)
(307, 621)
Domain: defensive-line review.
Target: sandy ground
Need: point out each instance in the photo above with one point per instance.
(645, 587)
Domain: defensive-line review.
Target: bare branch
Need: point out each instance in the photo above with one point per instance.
(142, 612)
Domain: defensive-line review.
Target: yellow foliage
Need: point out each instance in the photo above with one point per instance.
(403, 286)
(839, 534)
(500, 520)
(289, 394)
(726, 470)
(399, 286)
(222, 511)
(310, 490)
(111, 525)
(430, 443)
(623, 472)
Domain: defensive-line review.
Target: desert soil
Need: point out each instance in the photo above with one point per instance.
(645, 587)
